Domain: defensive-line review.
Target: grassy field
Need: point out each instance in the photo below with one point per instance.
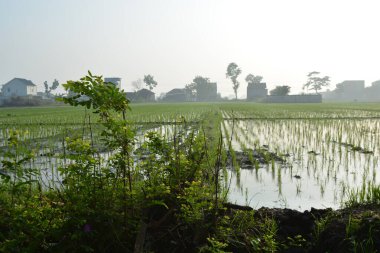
(192, 111)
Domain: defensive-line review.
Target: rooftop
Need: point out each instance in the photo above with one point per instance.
(26, 82)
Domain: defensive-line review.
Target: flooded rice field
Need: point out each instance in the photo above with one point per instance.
(321, 161)
(277, 156)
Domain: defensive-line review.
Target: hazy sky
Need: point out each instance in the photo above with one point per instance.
(175, 40)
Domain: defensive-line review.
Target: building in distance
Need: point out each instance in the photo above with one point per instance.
(143, 95)
(19, 87)
(256, 91)
(207, 91)
(177, 95)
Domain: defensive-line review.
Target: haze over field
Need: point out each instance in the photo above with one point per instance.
(177, 40)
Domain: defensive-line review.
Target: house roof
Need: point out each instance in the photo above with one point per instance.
(353, 83)
(145, 91)
(24, 81)
(176, 91)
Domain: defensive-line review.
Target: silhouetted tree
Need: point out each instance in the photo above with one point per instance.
(201, 80)
(47, 91)
(253, 79)
(197, 81)
(54, 86)
(150, 82)
(191, 89)
(280, 91)
(315, 82)
(233, 71)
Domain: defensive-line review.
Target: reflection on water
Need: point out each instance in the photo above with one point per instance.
(49, 149)
(324, 160)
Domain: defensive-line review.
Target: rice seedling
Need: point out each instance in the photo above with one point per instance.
(315, 140)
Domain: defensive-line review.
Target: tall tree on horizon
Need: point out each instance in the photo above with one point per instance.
(54, 86)
(233, 71)
(150, 82)
(315, 82)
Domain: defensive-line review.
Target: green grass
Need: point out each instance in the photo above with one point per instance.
(171, 111)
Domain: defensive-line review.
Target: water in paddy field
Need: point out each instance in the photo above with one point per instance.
(49, 149)
(324, 160)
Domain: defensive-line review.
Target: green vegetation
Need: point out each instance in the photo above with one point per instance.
(48, 89)
(233, 72)
(150, 82)
(103, 175)
(315, 82)
(251, 79)
(280, 90)
(107, 190)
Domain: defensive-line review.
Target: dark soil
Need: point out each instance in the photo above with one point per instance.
(347, 230)
(262, 156)
(355, 148)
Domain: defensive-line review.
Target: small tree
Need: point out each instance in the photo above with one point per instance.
(233, 71)
(280, 91)
(191, 89)
(315, 82)
(251, 79)
(150, 82)
(48, 89)
(198, 81)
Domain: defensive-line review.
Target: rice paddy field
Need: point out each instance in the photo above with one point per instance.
(278, 155)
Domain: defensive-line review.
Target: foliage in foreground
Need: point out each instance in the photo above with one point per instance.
(164, 191)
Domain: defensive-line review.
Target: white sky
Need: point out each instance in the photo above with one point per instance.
(175, 40)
